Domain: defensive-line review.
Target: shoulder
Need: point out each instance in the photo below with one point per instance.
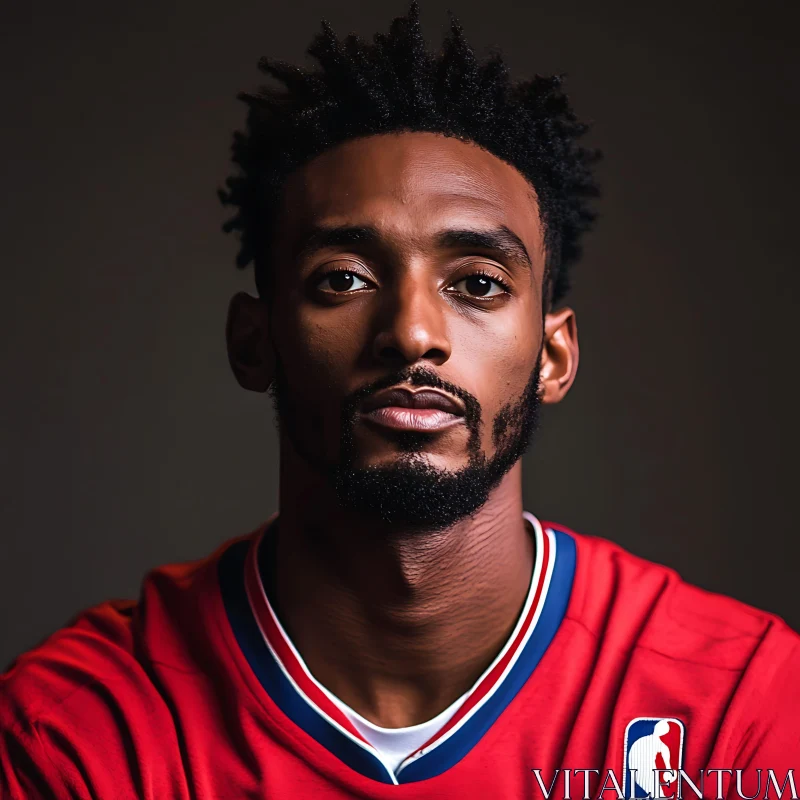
(113, 643)
(627, 599)
(48, 684)
(95, 646)
(91, 694)
(729, 669)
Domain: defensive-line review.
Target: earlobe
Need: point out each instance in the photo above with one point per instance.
(250, 351)
(559, 354)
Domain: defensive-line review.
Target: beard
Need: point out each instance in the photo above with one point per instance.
(411, 493)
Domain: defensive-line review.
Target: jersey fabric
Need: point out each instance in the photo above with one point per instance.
(195, 691)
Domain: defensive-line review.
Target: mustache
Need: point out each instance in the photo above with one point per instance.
(415, 376)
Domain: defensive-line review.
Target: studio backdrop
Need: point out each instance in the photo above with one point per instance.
(126, 442)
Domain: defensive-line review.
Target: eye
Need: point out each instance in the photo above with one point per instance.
(480, 285)
(341, 281)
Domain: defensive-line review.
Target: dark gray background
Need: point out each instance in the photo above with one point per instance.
(126, 442)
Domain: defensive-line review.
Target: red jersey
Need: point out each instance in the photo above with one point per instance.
(619, 679)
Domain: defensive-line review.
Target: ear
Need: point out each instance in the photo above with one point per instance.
(250, 351)
(559, 354)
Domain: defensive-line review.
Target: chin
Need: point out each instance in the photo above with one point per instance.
(419, 459)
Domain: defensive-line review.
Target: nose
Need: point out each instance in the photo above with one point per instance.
(411, 325)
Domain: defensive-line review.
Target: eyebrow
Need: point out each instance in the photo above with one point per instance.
(501, 240)
(321, 236)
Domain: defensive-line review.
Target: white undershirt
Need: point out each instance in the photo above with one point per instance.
(394, 745)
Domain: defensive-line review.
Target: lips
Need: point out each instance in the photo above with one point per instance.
(424, 410)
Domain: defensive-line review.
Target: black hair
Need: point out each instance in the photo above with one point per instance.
(396, 84)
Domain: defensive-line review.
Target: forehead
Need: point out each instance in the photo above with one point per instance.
(410, 186)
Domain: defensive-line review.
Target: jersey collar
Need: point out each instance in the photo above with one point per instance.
(284, 675)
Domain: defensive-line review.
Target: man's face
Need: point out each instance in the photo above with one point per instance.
(406, 319)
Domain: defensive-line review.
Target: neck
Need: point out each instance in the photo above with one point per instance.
(398, 624)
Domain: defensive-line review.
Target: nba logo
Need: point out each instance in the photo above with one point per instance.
(653, 756)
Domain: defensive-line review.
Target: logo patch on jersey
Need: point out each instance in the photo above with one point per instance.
(653, 755)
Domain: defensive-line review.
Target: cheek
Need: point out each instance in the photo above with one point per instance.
(317, 346)
(496, 360)
(318, 357)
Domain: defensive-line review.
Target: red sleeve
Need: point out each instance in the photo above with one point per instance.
(26, 771)
(771, 743)
(78, 714)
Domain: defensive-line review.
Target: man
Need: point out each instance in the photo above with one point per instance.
(402, 627)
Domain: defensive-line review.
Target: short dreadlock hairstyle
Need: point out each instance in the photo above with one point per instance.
(396, 84)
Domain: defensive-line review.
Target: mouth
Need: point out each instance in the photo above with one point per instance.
(424, 410)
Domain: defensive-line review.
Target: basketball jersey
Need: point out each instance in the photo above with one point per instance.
(618, 679)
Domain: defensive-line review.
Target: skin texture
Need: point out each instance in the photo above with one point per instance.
(396, 620)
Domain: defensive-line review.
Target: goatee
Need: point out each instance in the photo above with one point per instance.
(411, 493)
